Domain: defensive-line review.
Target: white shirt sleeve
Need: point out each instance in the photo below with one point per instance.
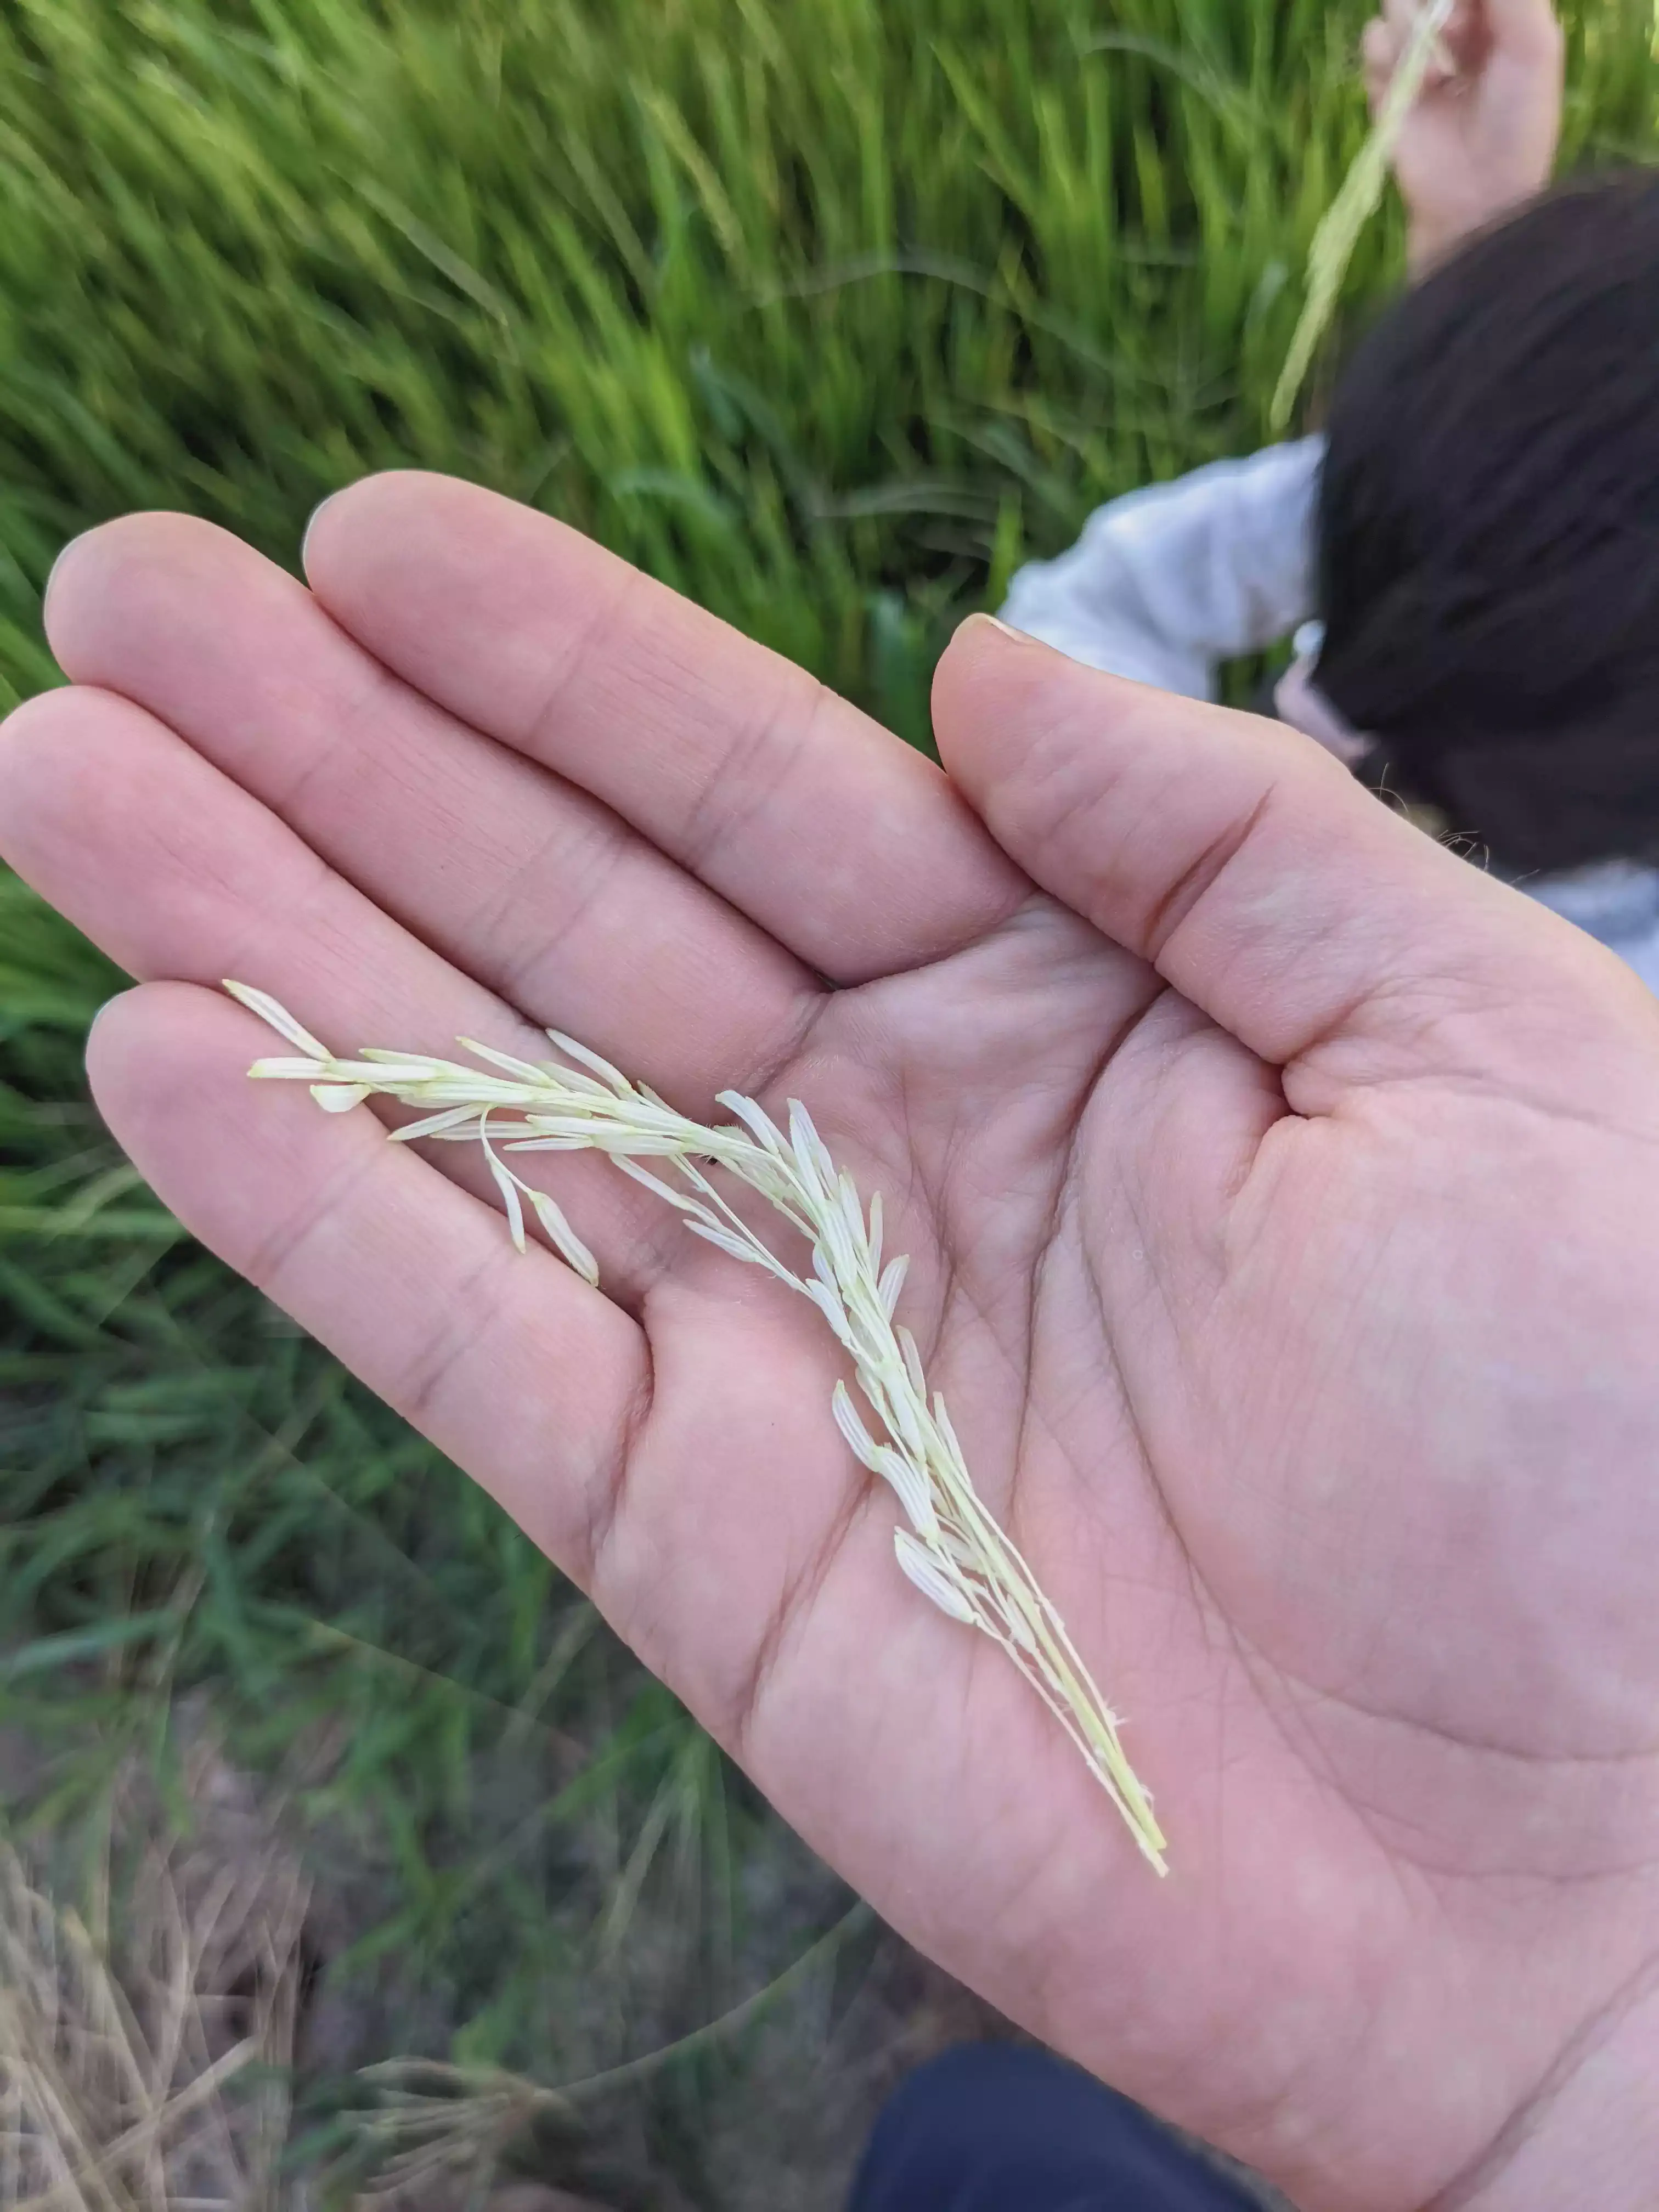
(1165, 582)
(1615, 901)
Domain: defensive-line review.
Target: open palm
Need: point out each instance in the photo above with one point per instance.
(1281, 1197)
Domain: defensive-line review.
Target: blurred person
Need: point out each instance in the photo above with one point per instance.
(1478, 530)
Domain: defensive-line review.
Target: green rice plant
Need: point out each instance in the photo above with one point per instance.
(1360, 197)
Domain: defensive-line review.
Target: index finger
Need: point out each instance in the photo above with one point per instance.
(842, 841)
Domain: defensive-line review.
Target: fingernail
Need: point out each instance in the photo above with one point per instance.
(315, 517)
(995, 622)
(103, 1014)
(55, 574)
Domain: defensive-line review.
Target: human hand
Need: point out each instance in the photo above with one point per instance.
(1283, 1197)
(1482, 137)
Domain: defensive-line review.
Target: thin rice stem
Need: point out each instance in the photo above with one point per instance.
(1359, 199)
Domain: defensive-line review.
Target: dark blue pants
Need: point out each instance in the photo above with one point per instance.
(998, 2127)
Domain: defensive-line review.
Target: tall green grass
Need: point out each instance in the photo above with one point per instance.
(825, 312)
(818, 311)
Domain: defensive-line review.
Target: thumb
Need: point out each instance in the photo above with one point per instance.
(1524, 31)
(1522, 81)
(1331, 938)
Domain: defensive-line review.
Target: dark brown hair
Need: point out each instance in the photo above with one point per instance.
(1489, 533)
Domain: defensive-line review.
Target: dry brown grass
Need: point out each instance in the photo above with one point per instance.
(146, 2038)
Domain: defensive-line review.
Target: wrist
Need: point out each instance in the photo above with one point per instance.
(1589, 2135)
(1430, 240)
(1432, 235)
(1428, 243)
